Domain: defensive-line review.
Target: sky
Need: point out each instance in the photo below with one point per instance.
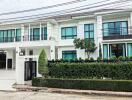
(20, 5)
(17, 5)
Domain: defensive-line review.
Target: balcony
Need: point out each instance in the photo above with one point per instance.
(114, 37)
(23, 38)
(116, 33)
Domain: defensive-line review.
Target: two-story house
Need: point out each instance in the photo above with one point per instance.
(21, 42)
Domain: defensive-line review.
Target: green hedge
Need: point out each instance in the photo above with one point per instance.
(102, 85)
(122, 70)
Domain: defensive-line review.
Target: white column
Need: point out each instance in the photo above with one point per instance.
(80, 31)
(22, 31)
(130, 27)
(99, 34)
(52, 52)
(19, 68)
(40, 31)
(29, 32)
(49, 30)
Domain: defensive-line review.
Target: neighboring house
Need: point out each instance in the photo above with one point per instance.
(21, 42)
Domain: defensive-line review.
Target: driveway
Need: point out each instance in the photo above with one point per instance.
(6, 84)
(53, 96)
(7, 79)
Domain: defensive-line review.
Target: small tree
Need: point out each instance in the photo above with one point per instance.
(42, 64)
(86, 44)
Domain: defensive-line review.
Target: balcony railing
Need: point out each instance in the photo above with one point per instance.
(116, 33)
(34, 37)
(23, 38)
(10, 39)
(129, 36)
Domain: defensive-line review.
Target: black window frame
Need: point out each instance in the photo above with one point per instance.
(69, 52)
(92, 39)
(68, 36)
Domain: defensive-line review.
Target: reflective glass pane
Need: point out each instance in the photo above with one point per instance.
(91, 34)
(129, 50)
(74, 30)
(63, 31)
(69, 31)
(91, 27)
(105, 51)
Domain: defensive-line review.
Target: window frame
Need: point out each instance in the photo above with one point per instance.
(89, 31)
(69, 52)
(72, 36)
(115, 27)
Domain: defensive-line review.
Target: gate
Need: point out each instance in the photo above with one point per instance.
(30, 70)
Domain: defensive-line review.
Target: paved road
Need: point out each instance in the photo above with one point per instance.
(52, 96)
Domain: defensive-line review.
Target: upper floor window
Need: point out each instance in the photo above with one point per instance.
(18, 34)
(115, 28)
(69, 32)
(35, 34)
(8, 35)
(44, 33)
(89, 31)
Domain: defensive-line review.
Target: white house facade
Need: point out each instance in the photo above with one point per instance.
(22, 42)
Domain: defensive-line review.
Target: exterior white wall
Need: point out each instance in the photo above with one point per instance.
(37, 51)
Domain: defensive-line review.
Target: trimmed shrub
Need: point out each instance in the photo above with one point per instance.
(91, 59)
(102, 85)
(99, 59)
(127, 58)
(131, 58)
(122, 58)
(122, 70)
(113, 59)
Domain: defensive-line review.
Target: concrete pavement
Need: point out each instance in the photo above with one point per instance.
(53, 96)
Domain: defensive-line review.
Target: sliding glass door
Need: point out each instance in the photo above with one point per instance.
(129, 49)
(117, 50)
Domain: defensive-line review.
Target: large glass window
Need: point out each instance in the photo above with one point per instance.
(115, 28)
(129, 49)
(35, 34)
(105, 51)
(18, 34)
(9, 35)
(69, 55)
(69, 32)
(1, 36)
(89, 31)
(44, 33)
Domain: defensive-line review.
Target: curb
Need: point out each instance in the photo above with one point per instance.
(90, 92)
(71, 91)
